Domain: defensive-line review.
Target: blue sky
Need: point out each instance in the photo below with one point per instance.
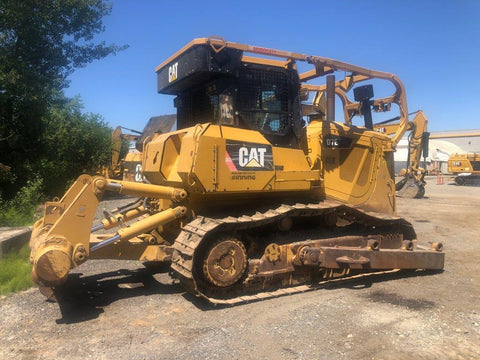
(433, 46)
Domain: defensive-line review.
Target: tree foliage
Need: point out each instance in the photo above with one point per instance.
(41, 43)
(74, 143)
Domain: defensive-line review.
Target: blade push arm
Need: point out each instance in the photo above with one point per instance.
(61, 239)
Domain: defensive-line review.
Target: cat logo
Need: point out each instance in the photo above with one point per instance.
(172, 72)
(240, 156)
(251, 158)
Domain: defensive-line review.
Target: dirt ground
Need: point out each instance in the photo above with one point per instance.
(121, 311)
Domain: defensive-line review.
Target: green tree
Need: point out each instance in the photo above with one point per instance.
(41, 43)
(74, 143)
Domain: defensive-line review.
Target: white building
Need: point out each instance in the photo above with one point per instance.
(441, 145)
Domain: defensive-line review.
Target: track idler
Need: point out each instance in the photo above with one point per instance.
(225, 262)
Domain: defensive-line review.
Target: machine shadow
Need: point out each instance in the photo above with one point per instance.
(83, 298)
(368, 280)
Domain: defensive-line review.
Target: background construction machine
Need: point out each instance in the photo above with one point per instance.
(249, 198)
(120, 165)
(465, 167)
(412, 184)
(129, 167)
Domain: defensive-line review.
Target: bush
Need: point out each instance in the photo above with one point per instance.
(19, 210)
(73, 143)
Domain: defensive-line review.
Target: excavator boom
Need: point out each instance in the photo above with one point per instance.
(412, 184)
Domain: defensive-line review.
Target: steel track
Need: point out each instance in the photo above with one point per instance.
(195, 232)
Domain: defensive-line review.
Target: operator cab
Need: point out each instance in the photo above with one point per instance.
(220, 88)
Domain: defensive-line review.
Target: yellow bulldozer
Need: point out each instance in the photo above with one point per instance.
(259, 192)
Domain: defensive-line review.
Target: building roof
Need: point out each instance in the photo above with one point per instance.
(455, 134)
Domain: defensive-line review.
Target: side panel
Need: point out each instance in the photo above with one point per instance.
(238, 160)
(161, 159)
(221, 159)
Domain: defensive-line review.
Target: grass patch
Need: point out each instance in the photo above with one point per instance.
(15, 271)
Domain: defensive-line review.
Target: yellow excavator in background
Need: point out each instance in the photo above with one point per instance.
(412, 184)
(255, 195)
(465, 167)
(130, 167)
(121, 169)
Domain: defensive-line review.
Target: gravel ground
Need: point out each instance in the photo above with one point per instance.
(118, 310)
